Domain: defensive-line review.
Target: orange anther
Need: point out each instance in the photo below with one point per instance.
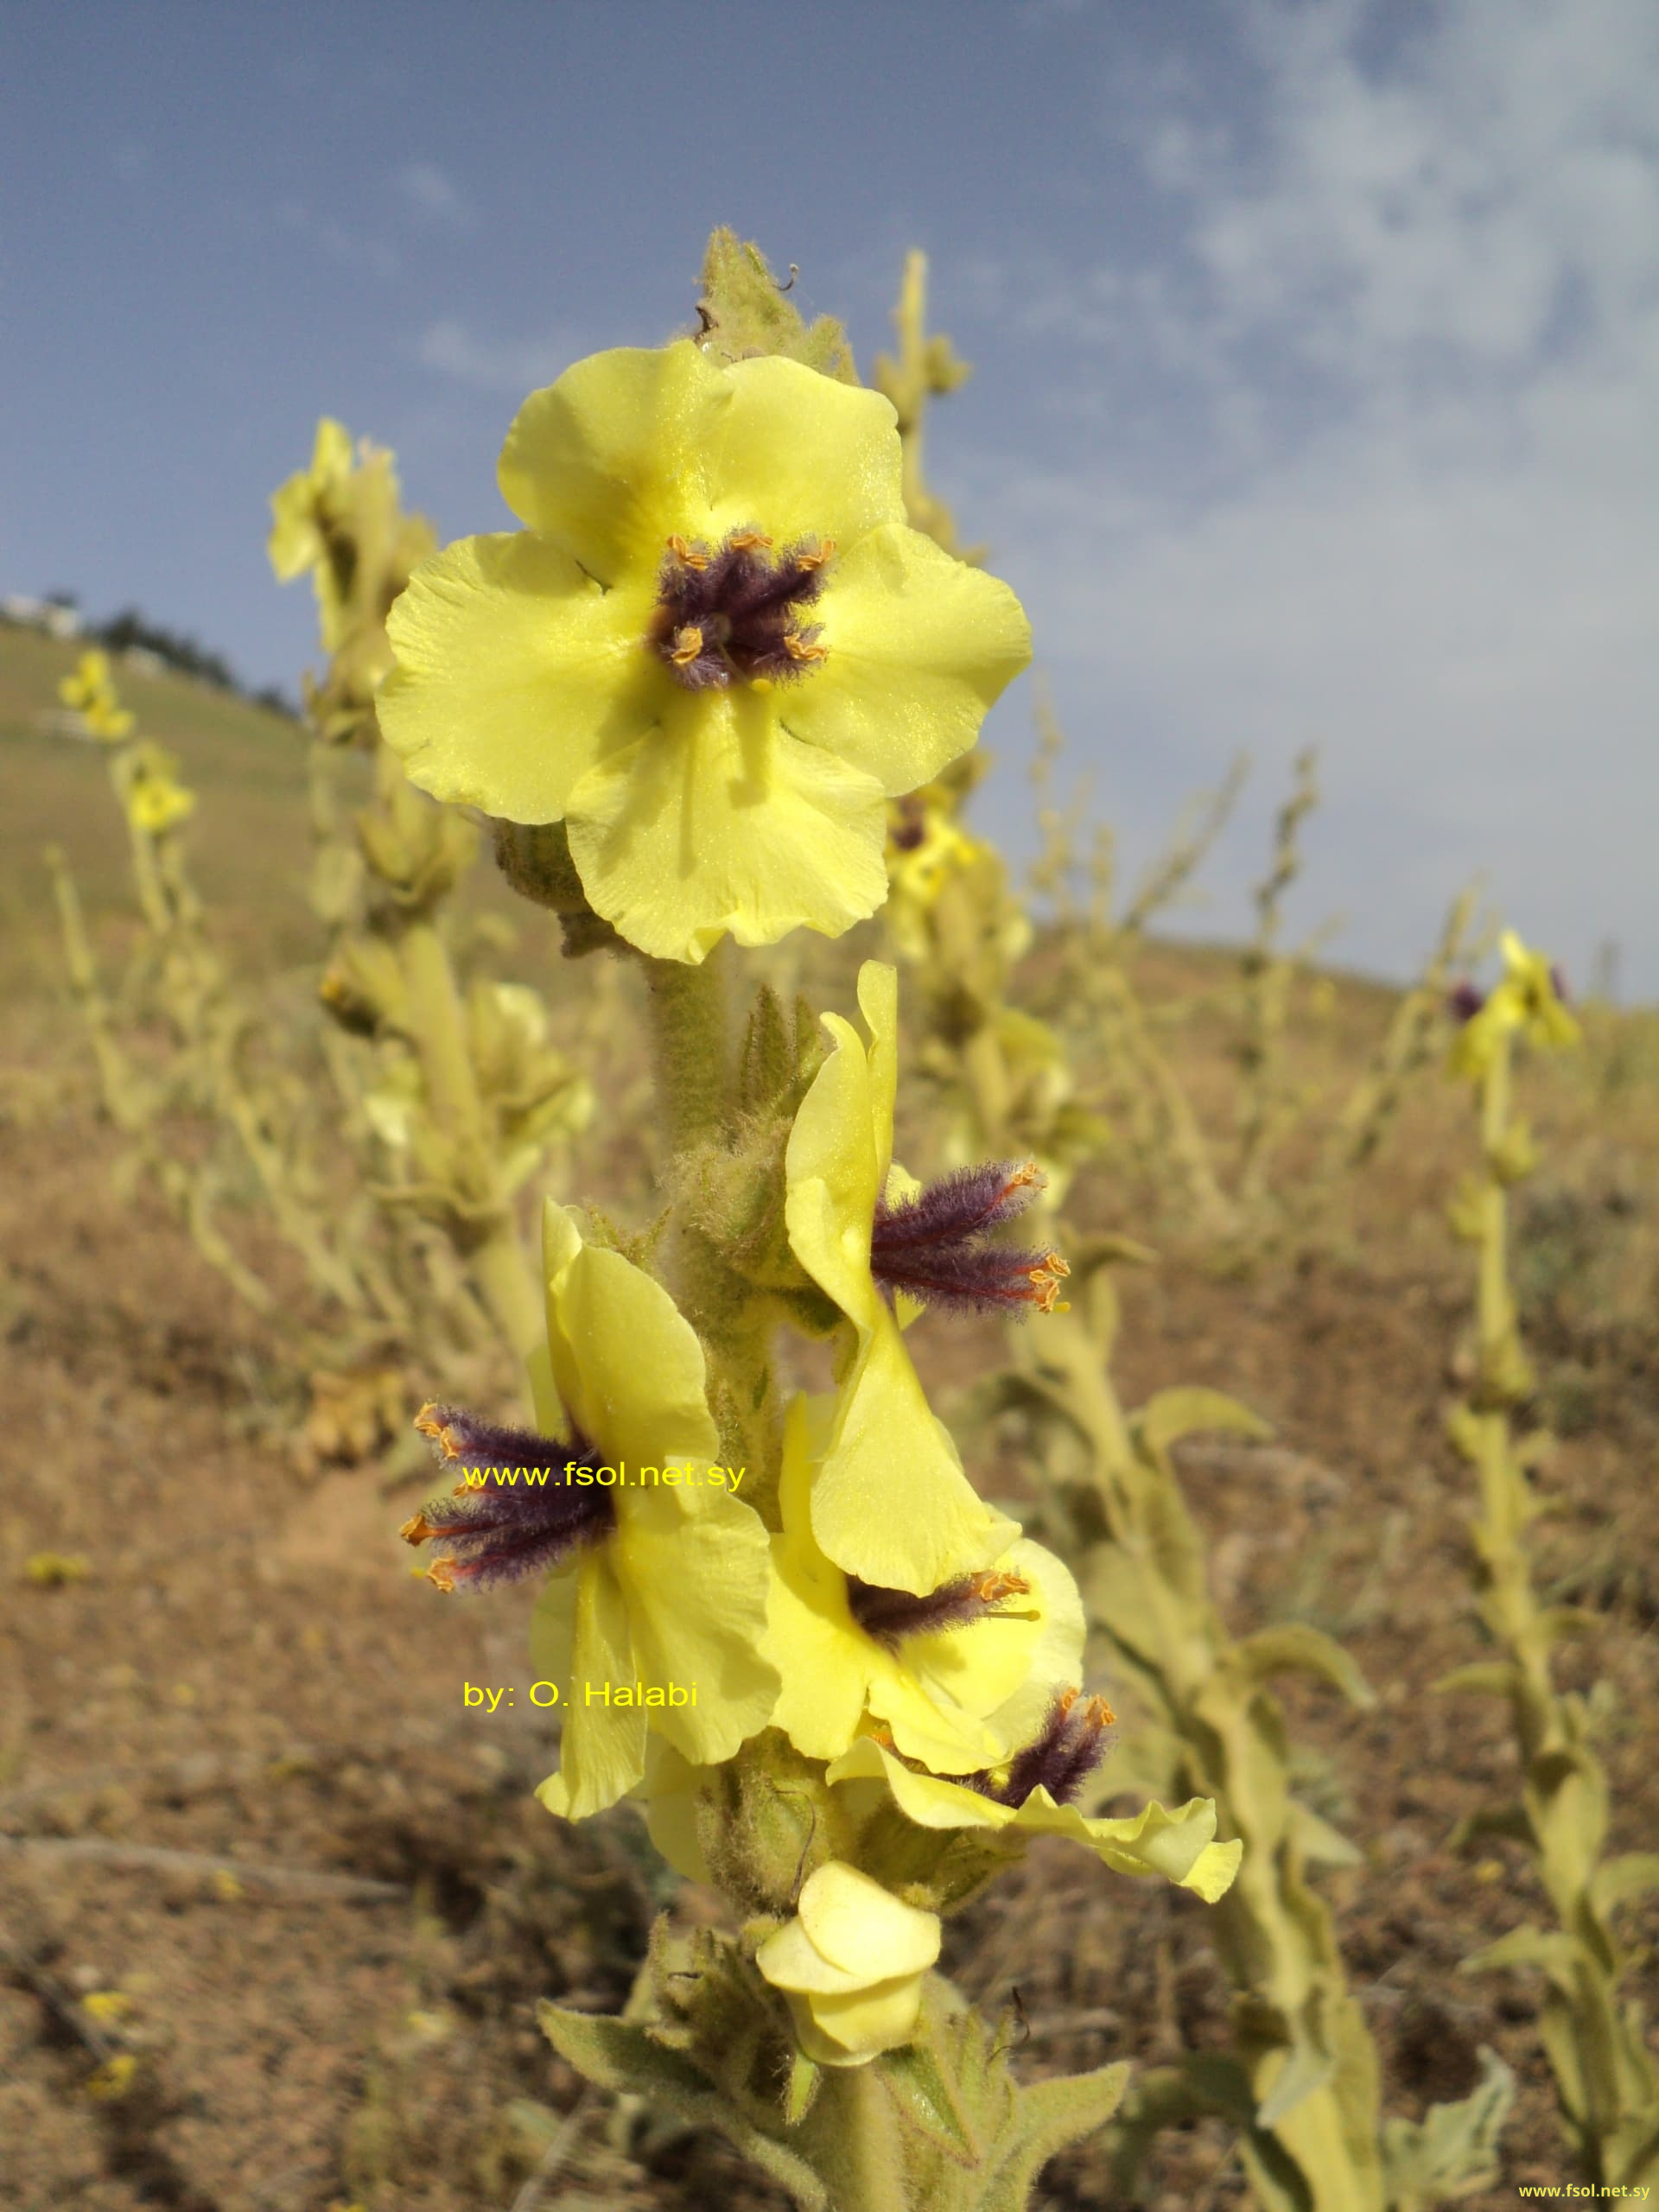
(688, 643)
(693, 556)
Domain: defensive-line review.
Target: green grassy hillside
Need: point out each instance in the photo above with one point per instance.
(248, 849)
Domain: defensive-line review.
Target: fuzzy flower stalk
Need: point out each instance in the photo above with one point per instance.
(853, 1690)
(452, 1087)
(1605, 2080)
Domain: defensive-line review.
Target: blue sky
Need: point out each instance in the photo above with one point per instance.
(1317, 349)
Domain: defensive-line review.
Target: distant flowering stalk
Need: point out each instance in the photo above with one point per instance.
(186, 983)
(689, 688)
(1606, 2079)
(1301, 2078)
(466, 1096)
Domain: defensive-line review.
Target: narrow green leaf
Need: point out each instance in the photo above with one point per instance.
(1559, 1954)
(1306, 2069)
(1049, 2116)
(1293, 1648)
(1174, 1414)
(1495, 1676)
(803, 2080)
(1622, 1880)
(1319, 1843)
(924, 2094)
(1454, 2152)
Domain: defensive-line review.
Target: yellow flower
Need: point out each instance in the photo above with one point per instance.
(851, 1963)
(891, 1503)
(1180, 1845)
(1527, 1001)
(301, 527)
(958, 1677)
(675, 1598)
(156, 805)
(91, 691)
(925, 847)
(715, 651)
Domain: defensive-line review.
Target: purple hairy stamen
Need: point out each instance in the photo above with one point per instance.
(518, 1508)
(1465, 1002)
(1071, 1747)
(734, 610)
(889, 1617)
(937, 1246)
(909, 831)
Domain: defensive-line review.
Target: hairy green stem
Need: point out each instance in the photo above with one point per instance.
(690, 1045)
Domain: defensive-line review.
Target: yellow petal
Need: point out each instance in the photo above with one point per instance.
(878, 1001)
(833, 1673)
(1178, 1845)
(694, 1564)
(790, 1960)
(918, 647)
(1006, 1669)
(856, 1924)
(892, 1505)
(611, 458)
(669, 1794)
(516, 675)
(719, 821)
(628, 1365)
(833, 1169)
(602, 1753)
(331, 452)
(853, 2030)
(801, 456)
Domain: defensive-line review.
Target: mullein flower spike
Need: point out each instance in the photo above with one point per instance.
(713, 652)
(1529, 999)
(91, 692)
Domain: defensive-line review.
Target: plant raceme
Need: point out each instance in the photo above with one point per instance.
(715, 653)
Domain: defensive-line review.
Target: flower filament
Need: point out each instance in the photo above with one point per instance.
(936, 1246)
(734, 609)
(501, 1531)
(889, 1617)
(1071, 1747)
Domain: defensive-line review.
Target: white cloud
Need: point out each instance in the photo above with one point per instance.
(1393, 477)
(432, 192)
(513, 365)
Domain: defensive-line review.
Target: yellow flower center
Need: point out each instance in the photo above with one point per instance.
(734, 610)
